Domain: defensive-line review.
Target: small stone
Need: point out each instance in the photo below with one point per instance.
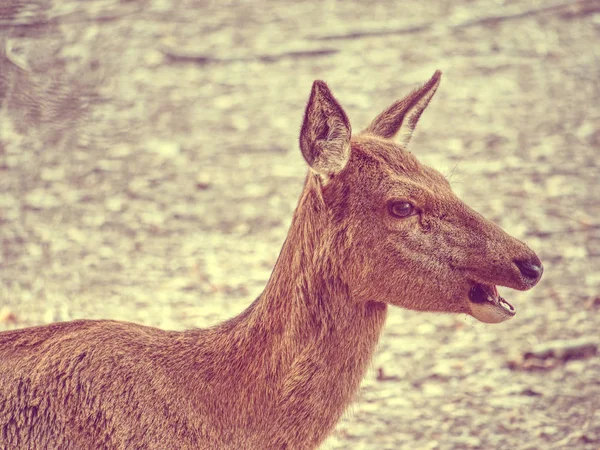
(547, 431)
(224, 102)
(455, 145)
(77, 235)
(94, 220)
(255, 190)
(70, 196)
(108, 165)
(7, 316)
(433, 390)
(114, 204)
(575, 367)
(41, 199)
(155, 218)
(593, 303)
(574, 252)
(138, 184)
(7, 201)
(164, 148)
(444, 369)
(52, 173)
(154, 58)
(203, 181)
(120, 151)
(585, 130)
(34, 250)
(106, 252)
(240, 123)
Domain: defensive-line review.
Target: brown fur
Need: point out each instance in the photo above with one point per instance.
(280, 374)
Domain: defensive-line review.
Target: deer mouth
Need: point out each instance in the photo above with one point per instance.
(487, 305)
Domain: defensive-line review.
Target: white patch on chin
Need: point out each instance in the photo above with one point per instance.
(488, 312)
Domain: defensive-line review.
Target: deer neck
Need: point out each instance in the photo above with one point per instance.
(316, 342)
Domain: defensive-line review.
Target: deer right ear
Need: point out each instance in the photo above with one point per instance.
(325, 134)
(401, 118)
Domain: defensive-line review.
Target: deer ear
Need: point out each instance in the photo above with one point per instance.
(325, 134)
(401, 118)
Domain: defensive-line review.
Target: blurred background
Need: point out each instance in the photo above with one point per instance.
(149, 169)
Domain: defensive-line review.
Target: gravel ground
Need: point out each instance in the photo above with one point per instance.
(149, 168)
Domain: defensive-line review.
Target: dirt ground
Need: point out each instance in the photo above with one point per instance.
(149, 168)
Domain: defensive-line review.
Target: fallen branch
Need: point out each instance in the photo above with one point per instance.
(492, 20)
(569, 230)
(202, 59)
(580, 7)
(550, 354)
(43, 19)
(373, 33)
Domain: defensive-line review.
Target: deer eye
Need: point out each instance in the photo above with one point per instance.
(401, 209)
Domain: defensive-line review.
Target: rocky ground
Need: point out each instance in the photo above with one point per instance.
(149, 169)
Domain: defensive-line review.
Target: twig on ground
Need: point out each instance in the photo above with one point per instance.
(373, 33)
(571, 9)
(560, 7)
(204, 59)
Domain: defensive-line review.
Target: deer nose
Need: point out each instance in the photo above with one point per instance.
(531, 271)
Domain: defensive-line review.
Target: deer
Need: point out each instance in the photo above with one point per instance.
(373, 227)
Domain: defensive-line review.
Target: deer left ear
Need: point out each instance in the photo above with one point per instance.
(325, 134)
(401, 118)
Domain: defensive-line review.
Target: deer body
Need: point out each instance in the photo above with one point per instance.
(279, 375)
(299, 351)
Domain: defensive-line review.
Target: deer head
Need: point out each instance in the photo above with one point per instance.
(411, 241)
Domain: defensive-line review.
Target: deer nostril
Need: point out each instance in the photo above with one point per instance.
(531, 271)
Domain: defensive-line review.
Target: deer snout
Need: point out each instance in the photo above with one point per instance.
(500, 259)
(524, 267)
(531, 270)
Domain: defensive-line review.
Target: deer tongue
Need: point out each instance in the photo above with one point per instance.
(487, 305)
